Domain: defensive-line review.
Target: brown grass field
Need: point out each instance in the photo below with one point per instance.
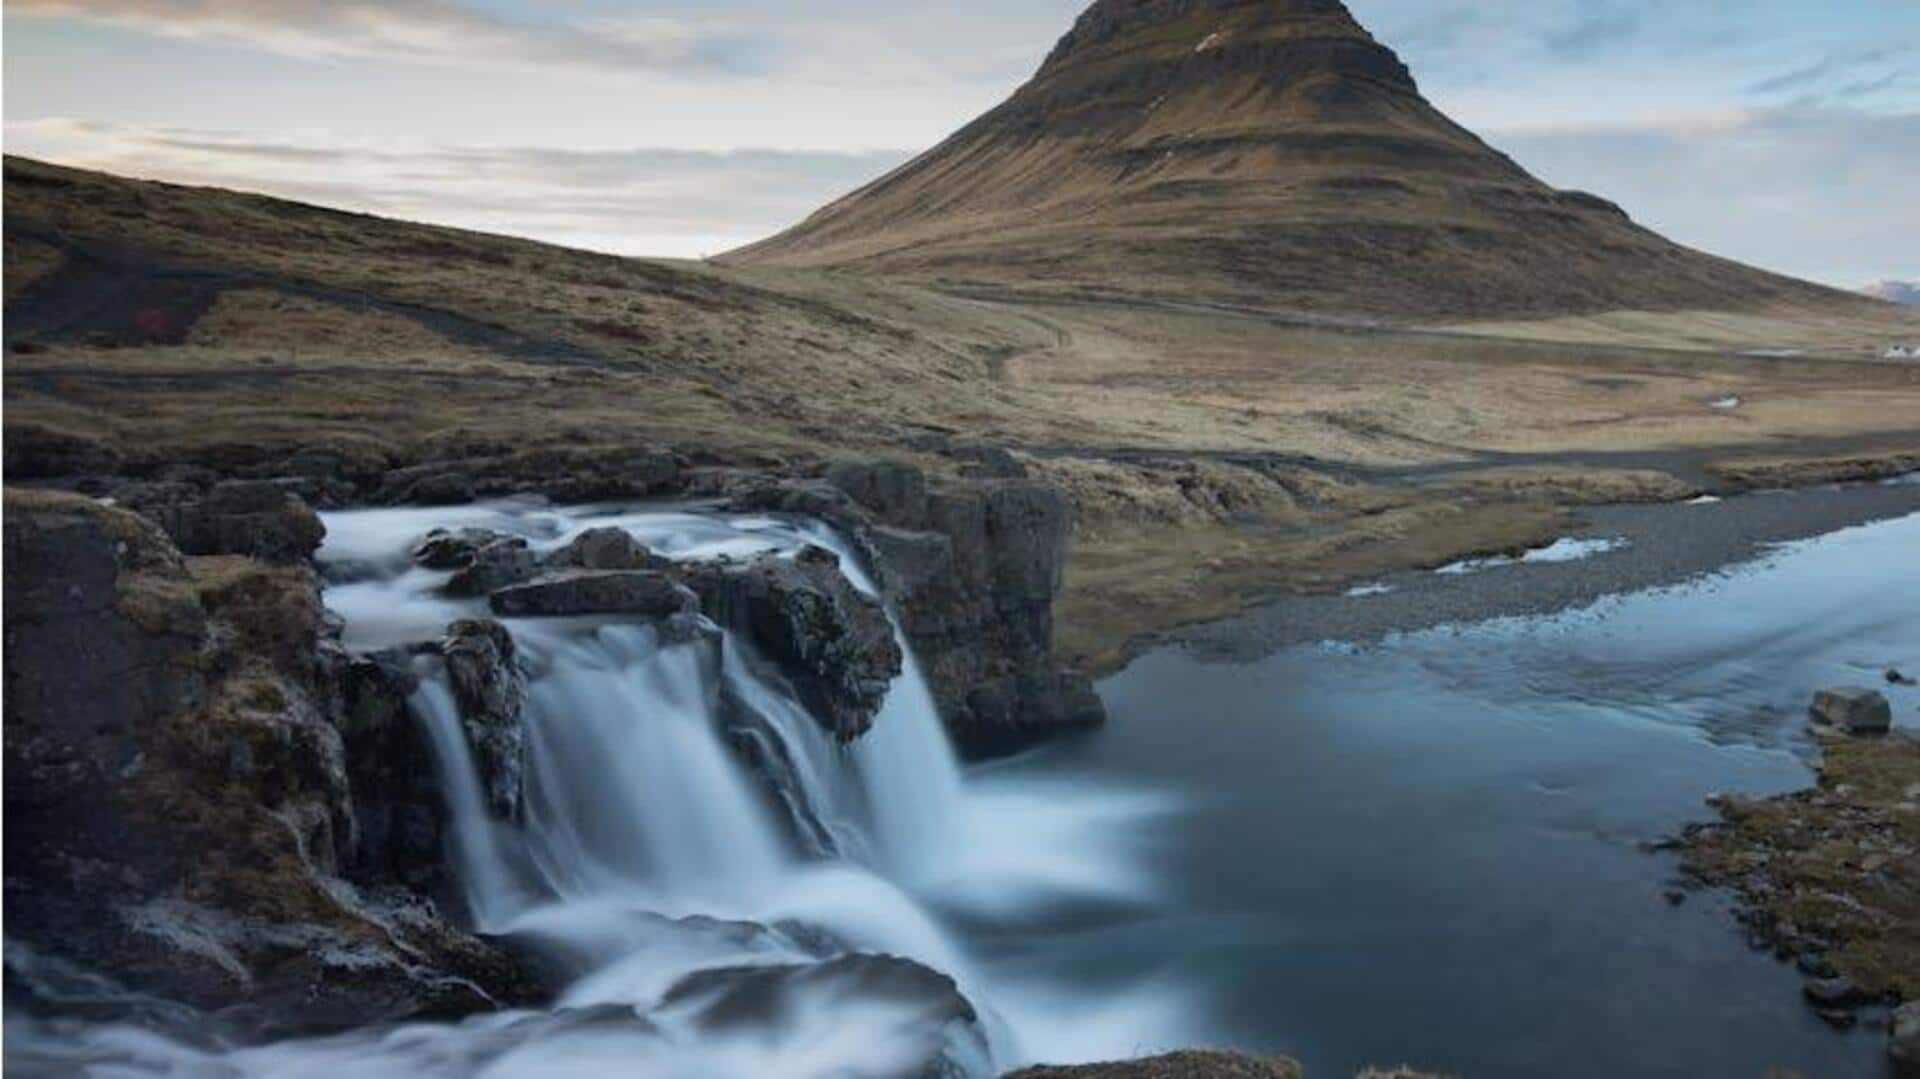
(1216, 454)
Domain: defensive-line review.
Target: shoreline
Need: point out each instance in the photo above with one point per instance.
(1665, 544)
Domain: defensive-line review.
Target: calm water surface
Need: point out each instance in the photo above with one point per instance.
(1430, 850)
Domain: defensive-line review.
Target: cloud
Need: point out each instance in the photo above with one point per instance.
(636, 201)
(1841, 77)
(1818, 192)
(1590, 35)
(433, 31)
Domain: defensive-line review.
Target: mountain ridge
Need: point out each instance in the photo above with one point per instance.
(1265, 153)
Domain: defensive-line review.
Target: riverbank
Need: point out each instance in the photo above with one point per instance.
(1604, 550)
(1447, 844)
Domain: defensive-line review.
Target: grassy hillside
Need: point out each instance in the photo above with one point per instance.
(1214, 453)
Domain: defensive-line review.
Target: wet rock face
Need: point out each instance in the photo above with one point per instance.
(456, 548)
(493, 566)
(491, 691)
(946, 1037)
(972, 569)
(637, 593)
(832, 642)
(254, 518)
(398, 805)
(192, 800)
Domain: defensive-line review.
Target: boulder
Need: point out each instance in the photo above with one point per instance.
(1903, 1035)
(605, 548)
(456, 548)
(637, 593)
(493, 567)
(490, 690)
(255, 518)
(1853, 709)
(833, 642)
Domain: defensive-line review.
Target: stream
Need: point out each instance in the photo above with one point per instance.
(1428, 849)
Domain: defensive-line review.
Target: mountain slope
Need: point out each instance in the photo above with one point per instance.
(1267, 153)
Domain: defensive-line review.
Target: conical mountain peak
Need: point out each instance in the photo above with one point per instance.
(1266, 153)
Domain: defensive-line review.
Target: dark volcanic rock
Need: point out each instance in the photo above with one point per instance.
(605, 548)
(494, 566)
(972, 568)
(491, 690)
(36, 451)
(397, 798)
(949, 1038)
(255, 518)
(456, 548)
(640, 593)
(833, 642)
(180, 809)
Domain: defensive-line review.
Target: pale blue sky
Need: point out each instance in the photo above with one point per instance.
(1781, 132)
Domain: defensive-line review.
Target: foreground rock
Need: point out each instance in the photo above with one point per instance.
(1853, 709)
(180, 810)
(831, 641)
(1830, 877)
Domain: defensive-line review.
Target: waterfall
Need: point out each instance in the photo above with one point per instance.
(724, 886)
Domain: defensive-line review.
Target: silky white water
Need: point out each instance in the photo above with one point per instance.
(684, 814)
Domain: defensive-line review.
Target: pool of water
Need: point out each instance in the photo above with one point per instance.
(1433, 849)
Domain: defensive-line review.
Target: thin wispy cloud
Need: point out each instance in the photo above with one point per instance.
(638, 200)
(424, 31)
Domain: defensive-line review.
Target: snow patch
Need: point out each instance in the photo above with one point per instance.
(1373, 589)
(1212, 40)
(1567, 549)
(1725, 404)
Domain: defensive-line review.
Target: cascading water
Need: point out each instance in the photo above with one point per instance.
(717, 917)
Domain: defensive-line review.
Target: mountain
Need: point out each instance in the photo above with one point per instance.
(1265, 153)
(1904, 293)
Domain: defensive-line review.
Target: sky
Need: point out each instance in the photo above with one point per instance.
(1785, 133)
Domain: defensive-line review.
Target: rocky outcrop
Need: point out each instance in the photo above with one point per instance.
(646, 594)
(398, 806)
(490, 690)
(832, 642)
(1853, 709)
(972, 568)
(255, 518)
(180, 799)
(456, 548)
(562, 474)
(491, 566)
